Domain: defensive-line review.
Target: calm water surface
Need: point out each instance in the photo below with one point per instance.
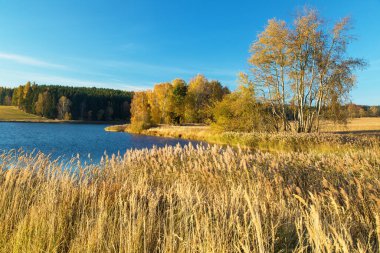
(68, 140)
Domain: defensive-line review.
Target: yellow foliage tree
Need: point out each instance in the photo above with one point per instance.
(304, 66)
(160, 101)
(140, 112)
(201, 98)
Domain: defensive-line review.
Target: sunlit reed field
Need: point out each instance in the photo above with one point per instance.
(193, 199)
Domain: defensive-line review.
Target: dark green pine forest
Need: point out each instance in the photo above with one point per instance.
(69, 103)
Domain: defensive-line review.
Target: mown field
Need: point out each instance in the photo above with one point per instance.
(12, 113)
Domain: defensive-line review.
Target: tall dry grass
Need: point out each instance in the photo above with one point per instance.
(192, 199)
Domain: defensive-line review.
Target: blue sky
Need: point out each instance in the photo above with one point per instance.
(133, 44)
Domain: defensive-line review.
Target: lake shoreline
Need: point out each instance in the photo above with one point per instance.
(65, 141)
(272, 142)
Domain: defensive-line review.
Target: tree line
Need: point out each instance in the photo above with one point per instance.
(299, 74)
(69, 103)
(359, 111)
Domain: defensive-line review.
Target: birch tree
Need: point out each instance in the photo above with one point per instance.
(303, 68)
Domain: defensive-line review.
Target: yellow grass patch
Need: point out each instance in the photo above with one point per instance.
(353, 125)
(12, 113)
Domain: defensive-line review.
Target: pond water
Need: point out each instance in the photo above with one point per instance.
(68, 140)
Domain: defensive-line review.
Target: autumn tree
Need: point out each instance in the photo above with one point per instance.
(305, 66)
(214, 93)
(239, 111)
(24, 96)
(18, 96)
(45, 105)
(271, 66)
(140, 112)
(154, 108)
(375, 111)
(39, 106)
(201, 98)
(195, 99)
(353, 110)
(160, 103)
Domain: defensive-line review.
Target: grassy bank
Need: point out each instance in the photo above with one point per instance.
(12, 113)
(325, 142)
(190, 199)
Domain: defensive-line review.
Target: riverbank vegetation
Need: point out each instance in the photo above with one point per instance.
(192, 199)
(69, 103)
(356, 135)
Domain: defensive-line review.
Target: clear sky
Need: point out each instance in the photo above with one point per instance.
(133, 44)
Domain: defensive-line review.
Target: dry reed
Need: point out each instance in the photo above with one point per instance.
(192, 199)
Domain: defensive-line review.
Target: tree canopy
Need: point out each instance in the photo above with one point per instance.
(177, 103)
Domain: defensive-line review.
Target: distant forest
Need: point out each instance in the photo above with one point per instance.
(69, 103)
